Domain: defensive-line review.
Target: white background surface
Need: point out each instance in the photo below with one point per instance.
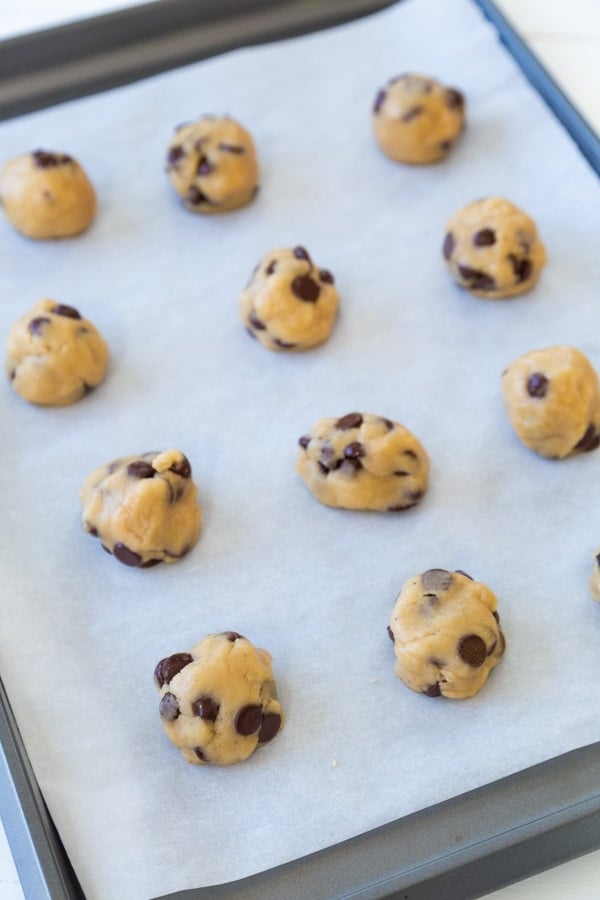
(567, 38)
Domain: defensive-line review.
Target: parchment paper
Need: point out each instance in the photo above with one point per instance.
(80, 633)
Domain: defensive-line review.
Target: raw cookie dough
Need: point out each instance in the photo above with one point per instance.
(218, 702)
(289, 303)
(54, 356)
(212, 165)
(595, 579)
(143, 508)
(47, 195)
(493, 249)
(362, 461)
(446, 633)
(417, 119)
(552, 399)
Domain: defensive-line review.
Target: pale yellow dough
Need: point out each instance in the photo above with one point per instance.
(417, 120)
(552, 399)
(54, 356)
(212, 165)
(144, 508)
(47, 195)
(219, 700)
(363, 461)
(493, 249)
(446, 633)
(289, 303)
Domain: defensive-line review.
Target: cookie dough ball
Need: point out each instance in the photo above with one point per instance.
(143, 508)
(289, 303)
(553, 401)
(362, 461)
(212, 165)
(446, 633)
(47, 195)
(218, 702)
(54, 355)
(595, 579)
(493, 249)
(417, 119)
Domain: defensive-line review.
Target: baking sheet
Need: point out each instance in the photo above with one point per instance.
(313, 585)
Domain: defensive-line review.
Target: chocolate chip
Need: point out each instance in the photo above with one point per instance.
(175, 154)
(436, 579)
(127, 556)
(496, 615)
(285, 345)
(537, 385)
(301, 253)
(472, 650)
(255, 322)
(349, 466)
(231, 148)
(271, 723)
(379, 100)
(304, 441)
(206, 708)
(271, 267)
(477, 280)
(323, 468)
(91, 529)
(233, 636)
(326, 276)
(195, 196)
(589, 441)
(432, 599)
(388, 424)
(351, 420)
(521, 267)
(412, 113)
(454, 99)
(484, 238)
(200, 754)
(12, 374)
(400, 473)
(448, 246)
(398, 507)
(140, 469)
(598, 558)
(492, 648)
(413, 497)
(460, 572)
(45, 160)
(390, 634)
(36, 326)
(168, 667)
(328, 455)
(306, 288)
(150, 563)
(433, 690)
(445, 146)
(205, 167)
(248, 720)
(182, 467)
(355, 450)
(169, 707)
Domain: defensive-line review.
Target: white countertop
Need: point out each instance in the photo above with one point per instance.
(566, 38)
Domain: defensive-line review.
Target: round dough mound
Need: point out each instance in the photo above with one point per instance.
(446, 634)
(143, 508)
(47, 195)
(54, 356)
(289, 303)
(212, 165)
(493, 249)
(218, 702)
(416, 119)
(362, 461)
(552, 399)
(595, 579)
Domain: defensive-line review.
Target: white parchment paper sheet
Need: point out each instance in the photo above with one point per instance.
(80, 633)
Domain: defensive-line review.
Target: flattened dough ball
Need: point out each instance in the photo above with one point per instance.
(54, 356)
(363, 461)
(47, 195)
(446, 633)
(143, 508)
(552, 399)
(493, 249)
(218, 702)
(416, 119)
(212, 165)
(289, 302)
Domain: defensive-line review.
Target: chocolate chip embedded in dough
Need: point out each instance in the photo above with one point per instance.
(306, 288)
(248, 720)
(485, 237)
(271, 267)
(379, 100)
(169, 707)
(477, 279)
(472, 650)
(433, 690)
(255, 322)
(589, 441)
(350, 466)
(175, 154)
(355, 450)
(445, 146)
(400, 473)
(284, 345)
(150, 563)
(37, 325)
(521, 267)
(448, 245)
(195, 196)
(323, 468)
(231, 148)
(206, 708)
(436, 579)
(461, 572)
(61, 309)
(168, 667)
(233, 636)
(270, 725)
(388, 424)
(182, 467)
(304, 441)
(205, 167)
(351, 420)
(126, 556)
(496, 616)
(301, 253)
(140, 469)
(45, 160)
(390, 634)
(454, 99)
(412, 113)
(200, 754)
(537, 385)
(326, 276)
